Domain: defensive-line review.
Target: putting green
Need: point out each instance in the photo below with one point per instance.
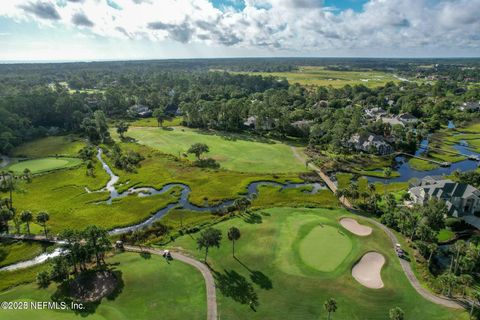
(324, 248)
(44, 164)
(238, 152)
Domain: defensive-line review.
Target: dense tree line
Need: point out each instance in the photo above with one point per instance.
(38, 100)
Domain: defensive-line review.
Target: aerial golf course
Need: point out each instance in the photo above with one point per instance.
(287, 261)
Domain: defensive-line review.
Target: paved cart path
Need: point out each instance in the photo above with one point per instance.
(407, 269)
(203, 268)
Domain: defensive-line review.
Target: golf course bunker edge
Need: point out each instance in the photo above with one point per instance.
(356, 228)
(368, 270)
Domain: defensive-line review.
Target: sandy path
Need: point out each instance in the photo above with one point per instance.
(368, 270)
(354, 227)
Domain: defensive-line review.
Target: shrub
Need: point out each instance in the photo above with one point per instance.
(43, 279)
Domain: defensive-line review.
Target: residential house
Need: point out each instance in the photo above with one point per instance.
(370, 143)
(253, 122)
(393, 121)
(139, 110)
(461, 199)
(470, 106)
(374, 113)
(407, 118)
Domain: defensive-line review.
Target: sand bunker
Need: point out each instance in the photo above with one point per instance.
(367, 270)
(354, 227)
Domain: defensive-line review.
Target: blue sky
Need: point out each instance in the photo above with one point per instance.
(154, 29)
(355, 5)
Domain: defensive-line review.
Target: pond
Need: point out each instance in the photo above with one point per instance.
(407, 172)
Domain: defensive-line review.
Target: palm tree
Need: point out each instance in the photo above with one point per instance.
(8, 184)
(209, 238)
(330, 306)
(27, 217)
(5, 216)
(432, 247)
(396, 314)
(474, 296)
(42, 219)
(233, 235)
(97, 241)
(387, 172)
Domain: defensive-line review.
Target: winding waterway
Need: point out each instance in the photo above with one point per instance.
(183, 203)
(407, 172)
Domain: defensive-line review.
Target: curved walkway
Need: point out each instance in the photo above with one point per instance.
(444, 301)
(207, 275)
(407, 269)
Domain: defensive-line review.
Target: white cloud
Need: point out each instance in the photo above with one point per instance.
(292, 25)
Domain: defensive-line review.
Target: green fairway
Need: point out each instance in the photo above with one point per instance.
(50, 146)
(268, 269)
(317, 249)
(233, 151)
(160, 291)
(152, 122)
(319, 76)
(44, 164)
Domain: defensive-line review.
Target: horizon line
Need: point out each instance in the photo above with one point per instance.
(57, 61)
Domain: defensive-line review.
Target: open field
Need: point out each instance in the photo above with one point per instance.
(319, 76)
(15, 251)
(270, 269)
(44, 164)
(236, 152)
(50, 146)
(152, 122)
(160, 291)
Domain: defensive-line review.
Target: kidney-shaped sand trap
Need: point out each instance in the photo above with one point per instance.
(354, 227)
(368, 270)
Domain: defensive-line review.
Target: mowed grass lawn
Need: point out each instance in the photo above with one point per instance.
(153, 289)
(273, 266)
(44, 164)
(236, 152)
(319, 76)
(50, 146)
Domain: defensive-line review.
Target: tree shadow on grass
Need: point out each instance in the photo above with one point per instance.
(253, 218)
(64, 292)
(258, 277)
(233, 285)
